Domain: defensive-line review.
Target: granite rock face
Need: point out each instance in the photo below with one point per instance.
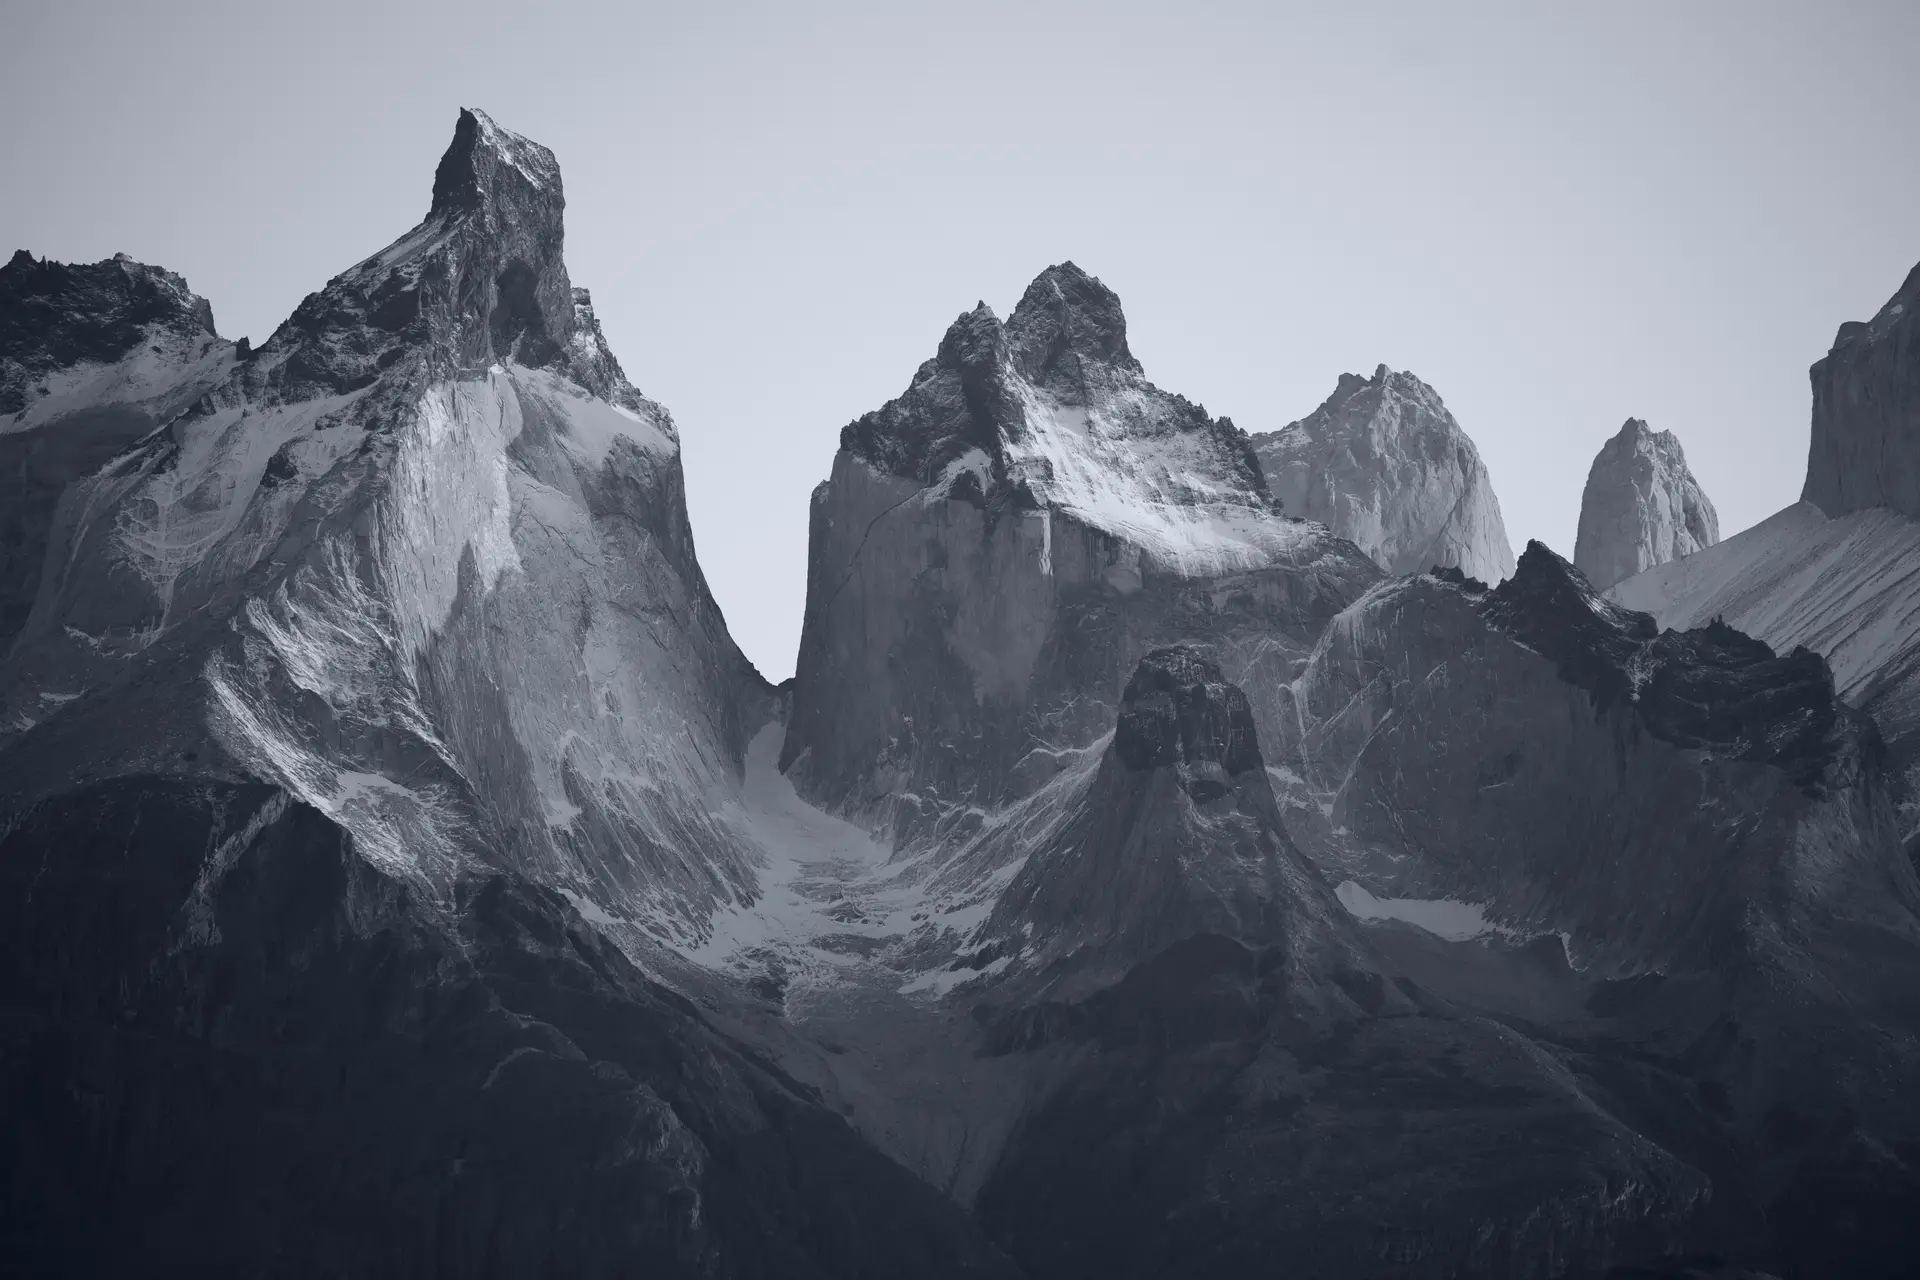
(1384, 463)
(1641, 508)
(997, 548)
(1865, 449)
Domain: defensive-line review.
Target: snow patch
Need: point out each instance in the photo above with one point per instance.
(1443, 917)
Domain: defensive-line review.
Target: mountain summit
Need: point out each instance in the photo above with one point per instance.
(1642, 507)
(999, 545)
(1384, 463)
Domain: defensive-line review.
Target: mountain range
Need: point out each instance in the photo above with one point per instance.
(1178, 852)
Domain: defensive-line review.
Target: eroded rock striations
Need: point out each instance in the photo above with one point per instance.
(1641, 508)
(1384, 463)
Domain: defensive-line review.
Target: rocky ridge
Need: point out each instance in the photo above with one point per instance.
(1641, 507)
(1384, 463)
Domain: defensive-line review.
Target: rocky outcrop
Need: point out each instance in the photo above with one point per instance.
(997, 548)
(1865, 448)
(1384, 463)
(1563, 757)
(92, 358)
(1642, 507)
(1177, 835)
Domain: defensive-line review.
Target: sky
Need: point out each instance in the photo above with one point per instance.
(1558, 216)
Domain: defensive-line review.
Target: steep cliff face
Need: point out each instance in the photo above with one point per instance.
(1865, 448)
(1641, 508)
(91, 359)
(373, 729)
(996, 548)
(1384, 463)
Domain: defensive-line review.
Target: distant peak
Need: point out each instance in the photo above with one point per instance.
(485, 162)
(1637, 429)
(1063, 311)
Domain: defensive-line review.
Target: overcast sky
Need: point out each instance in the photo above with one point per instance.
(1558, 217)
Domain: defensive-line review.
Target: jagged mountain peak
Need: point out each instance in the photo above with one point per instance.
(1179, 710)
(1711, 687)
(1066, 312)
(481, 280)
(1382, 461)
(1177, 834)
(1549, 606)
(1049, 410)
(486, 165)
(56, 315)
(1641, 507)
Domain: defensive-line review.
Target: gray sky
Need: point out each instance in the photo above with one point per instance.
(1558, 216)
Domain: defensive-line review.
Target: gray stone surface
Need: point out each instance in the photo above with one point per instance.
(1384, 463)
(1641, 507)
(1865, 447)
